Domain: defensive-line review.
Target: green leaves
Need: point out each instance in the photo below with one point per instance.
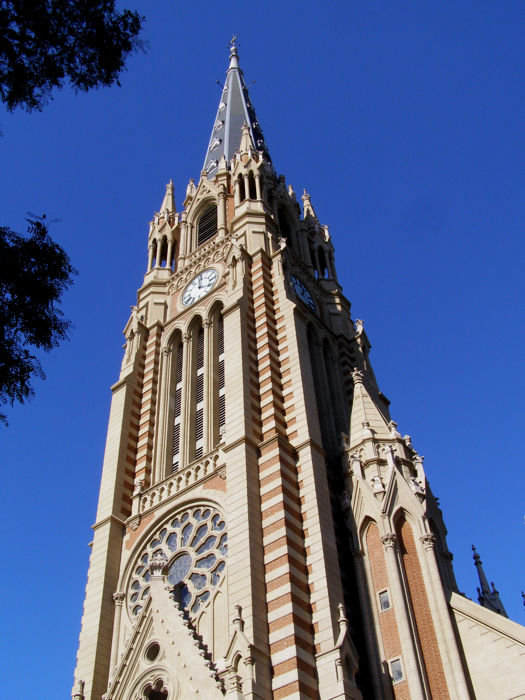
(45, 42)
(34, 272)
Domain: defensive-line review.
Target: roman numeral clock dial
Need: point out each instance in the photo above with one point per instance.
(302, 292)
(199, 286)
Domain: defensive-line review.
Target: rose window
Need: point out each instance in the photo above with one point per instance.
(195, 544)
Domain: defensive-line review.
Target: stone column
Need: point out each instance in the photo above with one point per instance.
(221, 211)
(258, 186)
(150, 256)
(367, 616)
(184, 245)
(208, 393)
(451, 658)
(118, 599)
(236, 193)
(406, 635)
(160, 454)
(169, 253)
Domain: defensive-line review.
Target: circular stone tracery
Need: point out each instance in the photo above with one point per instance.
(195, 544)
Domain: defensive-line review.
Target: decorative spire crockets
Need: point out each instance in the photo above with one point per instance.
(235, 109)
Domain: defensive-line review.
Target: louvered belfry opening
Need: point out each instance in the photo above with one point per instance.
(222, 392)
(177, 408)
(199, 396)
(207, 225)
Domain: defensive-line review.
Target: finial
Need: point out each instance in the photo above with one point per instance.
(238, 621)
(487, 598)
(246, 144)
(393, 429)
(234, 56)
(308, 210)
(167, 208)
(190, 189)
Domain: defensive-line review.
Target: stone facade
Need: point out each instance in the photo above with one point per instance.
(263, 530)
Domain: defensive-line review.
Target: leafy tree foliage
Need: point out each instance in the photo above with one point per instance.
(45, 42)
(34, 271)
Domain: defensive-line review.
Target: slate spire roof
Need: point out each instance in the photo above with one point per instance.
(235, 109)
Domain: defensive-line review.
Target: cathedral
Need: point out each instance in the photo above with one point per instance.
(263, 530)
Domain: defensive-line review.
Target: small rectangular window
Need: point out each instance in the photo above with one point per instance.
(384, 600)
(396, 670)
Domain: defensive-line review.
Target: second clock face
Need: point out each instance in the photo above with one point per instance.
(199, 286)
(302, 292)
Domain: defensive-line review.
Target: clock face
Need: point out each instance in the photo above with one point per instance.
(199, 286)
(303, 293)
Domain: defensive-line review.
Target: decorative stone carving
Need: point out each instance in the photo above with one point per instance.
(118, 598)
(428, 541)
(389, 540)
(157, 564)
(377, 485)
(416, 487)
(357, 376)
(393, 429)
(78, 690)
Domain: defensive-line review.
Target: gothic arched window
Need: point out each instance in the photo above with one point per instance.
(177, 405)
(252, 191)
(197, 397)
(323, 269)
(242, 189)
(284, 225)
(207, 224)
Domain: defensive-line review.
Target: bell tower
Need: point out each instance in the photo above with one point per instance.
(263, 530)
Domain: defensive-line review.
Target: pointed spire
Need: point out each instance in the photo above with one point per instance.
(366, 419)
(488, 597)
(168, 203)
(246, 144)
(235, 109)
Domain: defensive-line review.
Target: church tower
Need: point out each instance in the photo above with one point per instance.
(263, 529)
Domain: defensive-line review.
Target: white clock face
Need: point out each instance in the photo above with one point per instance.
(199, 286)
(303, 293)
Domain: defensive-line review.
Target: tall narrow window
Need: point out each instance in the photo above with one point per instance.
(207, 226)
(251, 186)
(222, 395)
(242, 189)
(284, 225)
(199, 396)
(323, 270)
(177, 409)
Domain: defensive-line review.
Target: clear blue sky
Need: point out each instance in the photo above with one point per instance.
(405, 122)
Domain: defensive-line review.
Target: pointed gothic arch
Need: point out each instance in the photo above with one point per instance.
(252, 190)
(419, 603)
(206, 223)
